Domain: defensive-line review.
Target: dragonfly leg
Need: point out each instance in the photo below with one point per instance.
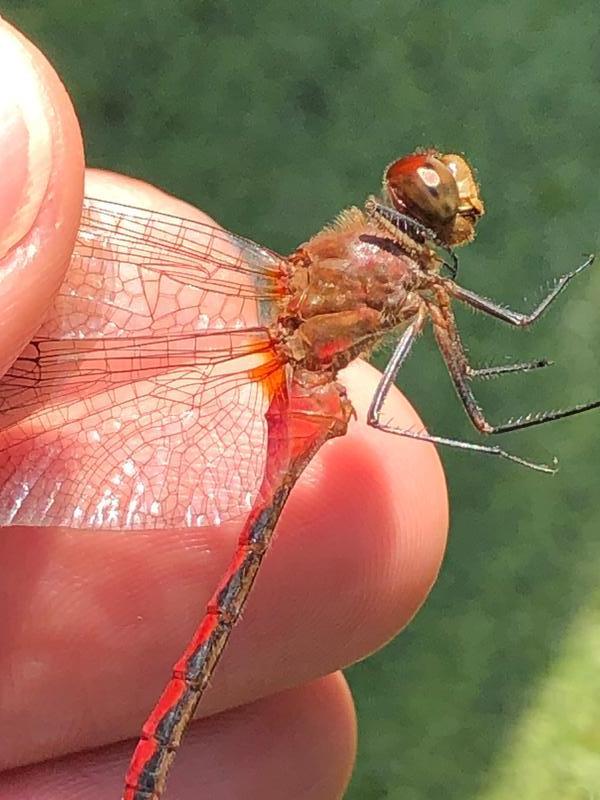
(387, 380)
(507, 315)
(451, 349)
(445, 318)
(505, 369)
(458, 444)
(398, 358)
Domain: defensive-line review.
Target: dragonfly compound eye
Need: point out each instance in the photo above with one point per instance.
(422, 186)
(437, 190)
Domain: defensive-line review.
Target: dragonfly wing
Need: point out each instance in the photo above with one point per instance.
(131, 409)
(136, 271)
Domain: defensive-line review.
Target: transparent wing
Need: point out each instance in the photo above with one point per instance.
(136, 271)
(141, 402)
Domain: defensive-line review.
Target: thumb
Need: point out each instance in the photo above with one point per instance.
(41, 188)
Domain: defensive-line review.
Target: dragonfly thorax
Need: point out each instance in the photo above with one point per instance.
(350, 285)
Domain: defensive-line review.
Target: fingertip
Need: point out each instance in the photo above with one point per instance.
(41, 190)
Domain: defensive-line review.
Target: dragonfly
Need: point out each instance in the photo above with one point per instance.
(186, 376)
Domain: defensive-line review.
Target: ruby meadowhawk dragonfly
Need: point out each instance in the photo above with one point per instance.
(186, 376)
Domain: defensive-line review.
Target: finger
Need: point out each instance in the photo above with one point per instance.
(41, 188)
(358, 547)
(300, 743)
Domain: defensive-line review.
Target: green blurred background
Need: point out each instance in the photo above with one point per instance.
(273, 116)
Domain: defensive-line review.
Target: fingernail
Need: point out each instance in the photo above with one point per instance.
(25, 143)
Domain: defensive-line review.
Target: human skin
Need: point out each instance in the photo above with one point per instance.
(90, 624)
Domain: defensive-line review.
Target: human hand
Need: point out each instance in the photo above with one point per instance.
(91, 623)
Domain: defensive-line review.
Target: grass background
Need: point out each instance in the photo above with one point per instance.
(272, 116)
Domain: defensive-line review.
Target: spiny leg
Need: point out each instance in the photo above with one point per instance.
(458, 444)
(507, 315)
(506, 369)
(399, 356)
(451, 349)
(388, 378)
(460, 370)
(442, 315)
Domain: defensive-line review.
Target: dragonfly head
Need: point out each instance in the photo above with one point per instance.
(438, 190)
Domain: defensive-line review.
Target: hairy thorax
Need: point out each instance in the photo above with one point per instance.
(348, 287)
